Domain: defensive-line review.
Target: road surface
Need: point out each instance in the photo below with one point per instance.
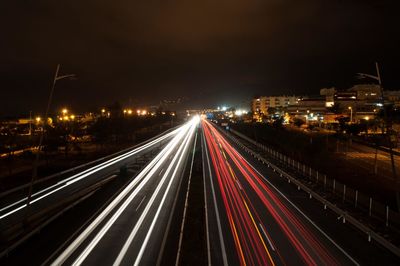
(132, 229)
(62, 188)
(249, 222)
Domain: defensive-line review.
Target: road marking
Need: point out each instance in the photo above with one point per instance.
(149, 170)
(140, 204)
(186, 204)
(237, 182)
(266, 236)
(225, 260)
(162, 170)
(305, 216)
(205, 206)
(72, 179)
(178, 156)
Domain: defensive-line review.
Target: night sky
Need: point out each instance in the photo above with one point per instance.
(211, 52)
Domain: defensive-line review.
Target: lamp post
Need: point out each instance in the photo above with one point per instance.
(36, 162)
(378, 78)
(351, 114)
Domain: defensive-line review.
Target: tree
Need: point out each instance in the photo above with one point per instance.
(335, 108)
(298, 122)
(342, 122)
(278, 122)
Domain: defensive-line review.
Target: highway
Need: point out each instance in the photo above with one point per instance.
(68, 185)
(132, 229)
(249, 221)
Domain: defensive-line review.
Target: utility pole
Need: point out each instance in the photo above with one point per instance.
(36, 162)
(388, 129)
(30, 124)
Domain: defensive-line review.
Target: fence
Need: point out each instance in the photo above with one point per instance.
(331, 187)
(337, 189)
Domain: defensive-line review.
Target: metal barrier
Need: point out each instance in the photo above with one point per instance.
(82, 166)
(342, 190)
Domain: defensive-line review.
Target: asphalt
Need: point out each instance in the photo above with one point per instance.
(287, 217)
(133, 226)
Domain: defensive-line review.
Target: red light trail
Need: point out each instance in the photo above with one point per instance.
(254, 244)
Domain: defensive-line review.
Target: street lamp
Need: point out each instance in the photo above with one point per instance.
(378, 78)
(35, 165)
(351, 114)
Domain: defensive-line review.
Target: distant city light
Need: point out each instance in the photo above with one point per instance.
(64, 111)
(240, 112)
(224, 108)
(103, 110)
(38, 119)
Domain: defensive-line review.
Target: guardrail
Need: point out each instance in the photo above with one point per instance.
(344, 215)
(82, 166)
(344, 193)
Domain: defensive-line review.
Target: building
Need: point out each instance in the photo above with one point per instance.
(366, 92)
(263, 103)
(309, 109)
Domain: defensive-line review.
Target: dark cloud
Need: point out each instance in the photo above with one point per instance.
(222, 50)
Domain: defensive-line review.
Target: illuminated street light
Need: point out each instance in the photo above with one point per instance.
(64, 111)
(351, 114)
(38, 119)
(103, 111)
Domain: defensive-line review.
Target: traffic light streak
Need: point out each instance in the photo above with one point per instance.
(243, 217)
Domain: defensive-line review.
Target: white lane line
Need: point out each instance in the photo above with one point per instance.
(205, 205)
(221, 239)
(132, 235)
(186, 204)
(121, 209)
(137, 208)
(266, 236)
(150, 230)
(79, 176)
(153, 165)
(162, 170)
(305, 216)
(237, 182)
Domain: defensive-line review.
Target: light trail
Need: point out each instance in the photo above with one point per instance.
(177, 148)
(77, 177)
(247, 228)
(250, 245)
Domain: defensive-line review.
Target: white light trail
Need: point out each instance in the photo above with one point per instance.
(179, 154)
(146, 175)
(77, 177)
